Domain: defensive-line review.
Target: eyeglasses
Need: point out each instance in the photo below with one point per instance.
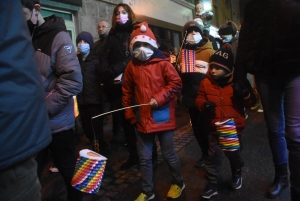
(103, 27)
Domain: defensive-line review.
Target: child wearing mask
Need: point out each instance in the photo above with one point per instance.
(223, 102)
(89, 99)
(203, 49)
(151, 79)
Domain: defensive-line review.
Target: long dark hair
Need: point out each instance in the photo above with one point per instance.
(131, 14)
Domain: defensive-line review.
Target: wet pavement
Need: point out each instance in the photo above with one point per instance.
(126, 185)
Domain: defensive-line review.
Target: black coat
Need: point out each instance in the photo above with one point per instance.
(269, 38)
(91, 93)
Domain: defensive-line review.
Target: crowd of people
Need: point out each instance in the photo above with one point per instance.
(129, 65)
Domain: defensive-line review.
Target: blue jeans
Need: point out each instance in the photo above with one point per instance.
(145, 146)
(280, 97)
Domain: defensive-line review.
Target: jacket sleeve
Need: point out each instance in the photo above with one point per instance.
(173, 84)
(240, 72)
(110, 71)
(128, 94)
(201, 99)
(67, 71)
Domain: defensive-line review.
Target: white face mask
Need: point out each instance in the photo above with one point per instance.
(142, 53)
(193, 39)
(84, 48)
(227, 38)
(123, 18)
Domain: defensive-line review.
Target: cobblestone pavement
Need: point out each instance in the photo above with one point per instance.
(115, 181)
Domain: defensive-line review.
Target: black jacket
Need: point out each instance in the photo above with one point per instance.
(116, 53)
(91, 90)
(99, 45)
(269, 38)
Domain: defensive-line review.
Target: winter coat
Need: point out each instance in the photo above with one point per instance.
(99, 45)
(191, 81)
(269, 38)
(91, 90)
(228, 104)
(156, 78)
(114, 60)
(24, 122)
(60, 71)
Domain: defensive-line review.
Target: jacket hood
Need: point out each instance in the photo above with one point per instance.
(207, 45)
(51, 22)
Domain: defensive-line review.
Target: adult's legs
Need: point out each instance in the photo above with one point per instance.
(271, 89)
(292, 130)
(63, 152)
(20, 182)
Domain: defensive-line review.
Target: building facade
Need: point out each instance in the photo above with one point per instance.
(165, 17)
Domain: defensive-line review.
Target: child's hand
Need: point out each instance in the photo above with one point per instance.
(240, 89)
(209, 106)
(153, 103)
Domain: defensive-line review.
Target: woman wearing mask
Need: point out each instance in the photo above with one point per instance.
(89, 99)
(203, 49)
(113, 62)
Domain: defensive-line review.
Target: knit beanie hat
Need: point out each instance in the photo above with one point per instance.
(223, 58)
(193, 24)
(87, 37)
(142, 33)
(228, 29)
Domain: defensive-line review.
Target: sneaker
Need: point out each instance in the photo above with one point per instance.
(175, 191)
(145, 196)
(236, 182)
(209, 191)
(260, 110)
(53, 169)
(200, 163)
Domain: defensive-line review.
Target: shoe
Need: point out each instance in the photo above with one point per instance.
(175, 191)
(278, 185)
(200, 163)
(53, 169)
(236, 182)
(131, 161)
(260, 110)
(209, 191)
(145, 196)
(255, 106)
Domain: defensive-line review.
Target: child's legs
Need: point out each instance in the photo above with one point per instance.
(144, 147)
(169, 154)
(235, 158)
(214, 159)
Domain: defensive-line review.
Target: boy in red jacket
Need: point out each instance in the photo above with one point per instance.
(224, 103)
(151, 79)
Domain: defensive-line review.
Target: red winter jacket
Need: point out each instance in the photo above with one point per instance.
(155, 78)
(228, 105)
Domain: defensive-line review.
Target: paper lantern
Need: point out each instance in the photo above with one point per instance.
(228, 137)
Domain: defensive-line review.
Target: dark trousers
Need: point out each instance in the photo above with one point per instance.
(199, 129)
(63, 153)
(86, 112)
(130, 136)
(19, 182)
(214, 160)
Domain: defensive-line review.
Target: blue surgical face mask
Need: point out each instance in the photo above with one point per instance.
(227, 38)
(84, 48)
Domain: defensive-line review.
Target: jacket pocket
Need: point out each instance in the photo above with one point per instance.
(162, 114)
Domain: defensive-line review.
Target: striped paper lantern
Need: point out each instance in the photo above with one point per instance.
(228, 137)
(89, 171)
